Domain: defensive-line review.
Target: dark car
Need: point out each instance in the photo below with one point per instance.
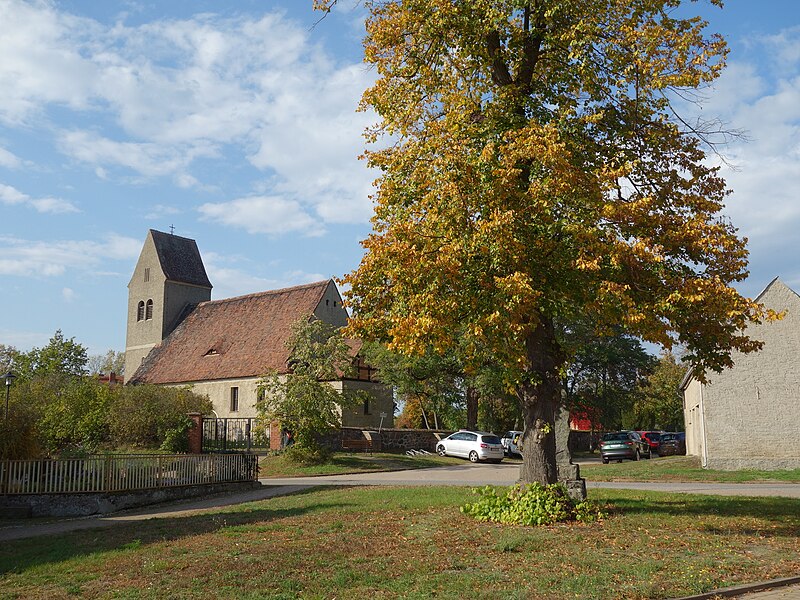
(619, 445)
(653, 438)
(672, 444)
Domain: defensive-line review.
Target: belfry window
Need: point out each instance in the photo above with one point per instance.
(149, 311)
(140, 311)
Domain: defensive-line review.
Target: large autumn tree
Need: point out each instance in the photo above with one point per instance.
(534, 171)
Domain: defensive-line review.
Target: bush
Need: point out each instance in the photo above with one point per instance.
(144, 415)
(74, 413)
(307, 457)
(177, 438)
(19, 439)
(534, 504)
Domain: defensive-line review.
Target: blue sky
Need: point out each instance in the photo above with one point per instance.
(235, 122)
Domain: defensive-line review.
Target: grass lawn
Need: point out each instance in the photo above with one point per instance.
(346, 462)
(414, 543)
(679, 468)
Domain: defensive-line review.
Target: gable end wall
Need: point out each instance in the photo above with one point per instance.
(752, 411)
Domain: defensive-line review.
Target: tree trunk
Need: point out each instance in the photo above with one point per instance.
(540, 397)
(472, 408)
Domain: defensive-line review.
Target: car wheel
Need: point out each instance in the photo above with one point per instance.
(473, 456)
(637, 456)
(605, 461)
(440, 450)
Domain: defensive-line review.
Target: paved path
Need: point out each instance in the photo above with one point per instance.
(507, 474)
(175, 509)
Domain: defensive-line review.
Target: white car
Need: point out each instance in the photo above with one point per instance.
(474, 445)
(511, 441)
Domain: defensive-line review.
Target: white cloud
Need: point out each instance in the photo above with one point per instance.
(148, 159)
(764, 171)
(68, 294)
(9, 160)
(230, 281)
(159, 211)
(263, 214)
(35, 258)
(11, 196)
(166, 93)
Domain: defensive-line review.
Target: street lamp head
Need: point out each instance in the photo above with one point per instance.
(9, 377)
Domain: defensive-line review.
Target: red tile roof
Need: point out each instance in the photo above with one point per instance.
(236, 337)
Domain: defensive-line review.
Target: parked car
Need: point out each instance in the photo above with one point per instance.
(672, 443)
(474, 445)
(619, 445)
(511, 443)
(653, 438)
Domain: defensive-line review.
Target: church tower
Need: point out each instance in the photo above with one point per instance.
(168, 282)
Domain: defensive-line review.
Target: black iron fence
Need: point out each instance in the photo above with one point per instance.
(234, 435)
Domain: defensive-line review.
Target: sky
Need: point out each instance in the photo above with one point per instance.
(235, 123)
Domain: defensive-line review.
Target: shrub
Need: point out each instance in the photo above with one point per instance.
(19, 439)
(176, 439)
(307, 457)
(532, 504)
(143, 415)
(74, 413)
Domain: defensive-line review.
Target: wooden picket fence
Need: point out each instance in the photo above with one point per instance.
(123, 473)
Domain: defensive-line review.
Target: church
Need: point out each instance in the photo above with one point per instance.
(178, 336)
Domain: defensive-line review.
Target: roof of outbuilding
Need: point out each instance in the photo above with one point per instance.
(232, 338)
(180, 259)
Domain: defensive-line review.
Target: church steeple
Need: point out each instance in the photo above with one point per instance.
(168, 281)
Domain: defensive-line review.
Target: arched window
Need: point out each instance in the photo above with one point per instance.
(149, 313)
(140, 311)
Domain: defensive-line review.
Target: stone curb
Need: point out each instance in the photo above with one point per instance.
(739, 590)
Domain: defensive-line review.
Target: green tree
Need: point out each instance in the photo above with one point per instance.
(110, 362)
(60, 356)
(659, 403)
(432, 386)
(73, 412)
(604, 372)
(7, 356)
(538, 173)
(303, 400)
(145, 415)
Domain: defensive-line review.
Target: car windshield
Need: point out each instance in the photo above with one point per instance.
(654, 436)
(615, 437)
(667, 437)
(490, 439)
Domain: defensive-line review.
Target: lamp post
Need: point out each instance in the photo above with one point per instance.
(9, 377)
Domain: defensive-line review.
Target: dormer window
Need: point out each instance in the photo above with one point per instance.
(149, 310)
(140, 311)
(212, 352)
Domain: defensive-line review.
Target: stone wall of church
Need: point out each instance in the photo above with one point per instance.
(751, 411)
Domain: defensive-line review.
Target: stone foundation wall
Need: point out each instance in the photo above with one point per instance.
(398, 440)
(81, 505)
